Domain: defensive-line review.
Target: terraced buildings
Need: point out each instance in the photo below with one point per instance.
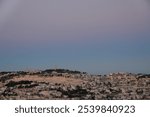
(63, 84)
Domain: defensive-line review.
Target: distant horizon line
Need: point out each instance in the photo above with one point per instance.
(32, 70)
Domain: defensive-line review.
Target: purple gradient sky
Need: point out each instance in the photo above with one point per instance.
(97, 36)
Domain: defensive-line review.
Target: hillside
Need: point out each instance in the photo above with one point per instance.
(66, 84)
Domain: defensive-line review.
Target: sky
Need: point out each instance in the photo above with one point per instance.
(95, 36)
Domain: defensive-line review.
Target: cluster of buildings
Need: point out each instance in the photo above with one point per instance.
(113, 86)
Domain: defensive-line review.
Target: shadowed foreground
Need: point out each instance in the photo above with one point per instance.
(65, 84)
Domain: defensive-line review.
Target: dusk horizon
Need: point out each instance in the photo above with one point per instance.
(96, 37)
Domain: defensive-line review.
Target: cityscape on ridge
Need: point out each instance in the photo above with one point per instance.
(63, 84)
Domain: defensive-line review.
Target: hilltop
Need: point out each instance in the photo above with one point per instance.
(67, 84)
